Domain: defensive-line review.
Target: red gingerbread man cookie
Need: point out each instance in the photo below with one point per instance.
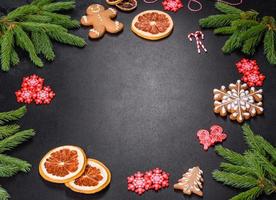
(101, 20)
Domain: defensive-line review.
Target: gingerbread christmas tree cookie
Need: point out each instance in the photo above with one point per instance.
(239, 100)
(101, 20)
(191, 182)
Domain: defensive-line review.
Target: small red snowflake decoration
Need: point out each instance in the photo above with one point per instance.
(251, 72)
(209, 139)
(138, 183)
(33, 82)
(254, 78)
(159, 179)
(44, 96)
(24, 95)
(32, 90)
(155, 179)
(172, 5)
(247, 65)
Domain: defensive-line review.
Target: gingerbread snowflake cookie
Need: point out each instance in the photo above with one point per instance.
(239, 100)
(101, 20)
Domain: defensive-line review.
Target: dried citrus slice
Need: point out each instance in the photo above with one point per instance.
(94, 179)
(113, 2)
(63, 164)
(152, 24)
(127, 5)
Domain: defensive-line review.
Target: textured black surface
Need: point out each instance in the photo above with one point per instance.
(134, 105)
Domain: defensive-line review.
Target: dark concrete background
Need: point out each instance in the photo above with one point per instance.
(134, 105)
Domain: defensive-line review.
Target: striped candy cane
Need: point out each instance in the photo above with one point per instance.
(198, 35)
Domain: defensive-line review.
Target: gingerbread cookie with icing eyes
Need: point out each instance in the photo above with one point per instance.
(101, 20)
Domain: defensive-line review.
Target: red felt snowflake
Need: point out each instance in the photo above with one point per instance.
(172, 5)
(44, 96)
(138, 183)
(159, 178)
(33, 82)
(32, 90)
(254, 78)
(209, 139)
(24, 95)
(247, 65)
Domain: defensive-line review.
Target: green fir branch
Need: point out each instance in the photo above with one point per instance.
(8, 130)
(41, 2)
(21, 12)
(62, 20)
(66, 38)
(270, 46)
(227, 9)
(251, 44)
(6, 49)
(4, 195)
(8, 170)
(14, 57)
(11, 142)
(230, 156)
(22, 165)
(237, 169)
(12, 115)
(250, 139)
(227, 30)
(250, 194)
(25, 43)
(54, 7)
(215, 21)
(234, 180)
(43, 45)
(254, 170)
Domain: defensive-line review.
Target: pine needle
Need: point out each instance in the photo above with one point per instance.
(43, 45)
(14, 58)
(41, 2)
(266, 146)
(12, 115)
(53, 7)
(25, 43)
(4, 195)
(251, 194)
(227, 8)
(235, 180)
(21, 12)
(8, 170)
(237, 169)
(8, 130)
(6, 49)
(22, 165)
(231, 156)
(215, 21)
(270, 46)
(228, 30)
(250, 139)
(67, 38)
(16, 139)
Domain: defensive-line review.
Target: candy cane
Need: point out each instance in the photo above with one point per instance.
(198, 35)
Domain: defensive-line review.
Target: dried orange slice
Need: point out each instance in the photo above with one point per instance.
(94, 179)
(63, 164)
(152, 24)
(127, 5)
(113, 2)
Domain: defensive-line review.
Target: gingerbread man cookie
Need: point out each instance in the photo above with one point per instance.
(101, 20)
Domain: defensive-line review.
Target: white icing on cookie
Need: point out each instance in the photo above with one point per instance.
(94, 31)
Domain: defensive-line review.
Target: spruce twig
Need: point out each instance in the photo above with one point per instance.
(245, 29)
(254, 170)
(10, 137)
(31, 27)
